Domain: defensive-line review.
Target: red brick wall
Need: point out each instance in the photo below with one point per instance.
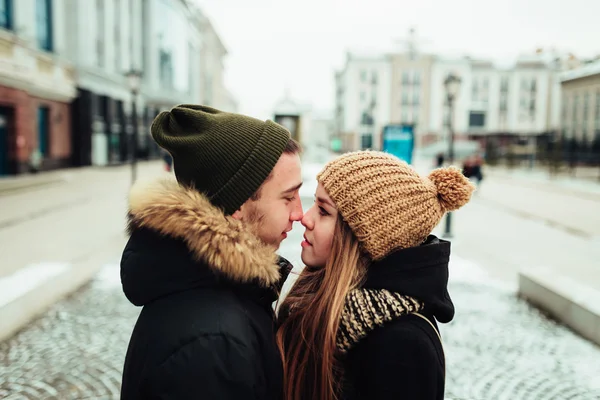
(24, 137)
(60, 127)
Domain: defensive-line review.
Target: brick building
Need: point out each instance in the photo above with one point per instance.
(36, 88)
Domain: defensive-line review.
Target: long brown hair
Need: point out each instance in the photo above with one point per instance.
(310, 317)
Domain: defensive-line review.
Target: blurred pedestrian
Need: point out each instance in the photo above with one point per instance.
(477, 166)
(361, 320)
(467, 167)
(201, 258)
(473, 168)
(439, 161)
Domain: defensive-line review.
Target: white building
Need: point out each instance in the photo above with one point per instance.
(363, 95)
(107, 38)
(521, 100)
(581, 106)
(172, 48)
(438, 110)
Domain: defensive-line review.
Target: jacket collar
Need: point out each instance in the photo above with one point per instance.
(219, 241)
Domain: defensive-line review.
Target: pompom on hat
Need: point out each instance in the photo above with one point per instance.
(386, 203)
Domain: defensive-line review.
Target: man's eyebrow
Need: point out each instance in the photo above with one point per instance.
(293, 189)
(322, 200)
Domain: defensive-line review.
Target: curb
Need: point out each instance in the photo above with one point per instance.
(17, 313)
(30, 291)
(574, 304)
(12, 186)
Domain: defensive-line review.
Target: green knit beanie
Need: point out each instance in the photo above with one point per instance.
(226, 156)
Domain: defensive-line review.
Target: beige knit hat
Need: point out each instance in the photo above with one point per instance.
(387, 204)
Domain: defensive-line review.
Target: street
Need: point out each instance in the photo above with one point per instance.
(497, 347)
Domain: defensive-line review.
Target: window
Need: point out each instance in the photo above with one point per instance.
(524, 84)
(363, 96)
(574, 116)
(597, 110)
(523, 103)
(404, 117)
(417, 78)
(416, 98)
(504, 84)
(6, 15)
(405, 78)
(374, 78)
(166, 74)
(404, 98)
(533, 85)
(100, 32)
(486, 83)
(363, 75)
(503, 104)
(43, 121)
(476, 119)
(117, 34)
(366, 141)
(586, 105)
(475, 89)
(43, 16)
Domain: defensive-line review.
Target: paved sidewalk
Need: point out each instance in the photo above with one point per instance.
(52, 237)
(64, 221)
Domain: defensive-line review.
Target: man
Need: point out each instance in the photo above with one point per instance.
(201, 258)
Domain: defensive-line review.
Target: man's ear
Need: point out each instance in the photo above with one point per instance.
(238, 213)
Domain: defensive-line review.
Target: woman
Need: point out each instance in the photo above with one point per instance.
(360, 322)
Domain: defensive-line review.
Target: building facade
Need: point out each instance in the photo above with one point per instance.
(411, 91)
(37, 85)
(522, 100)
(159, 38)
(581, 106)
(518, 103)
(363, 98)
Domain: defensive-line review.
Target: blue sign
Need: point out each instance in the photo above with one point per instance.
(399, 140)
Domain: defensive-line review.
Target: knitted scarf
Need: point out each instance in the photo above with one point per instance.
(367, 309)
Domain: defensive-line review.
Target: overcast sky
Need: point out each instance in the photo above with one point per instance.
(274, 44)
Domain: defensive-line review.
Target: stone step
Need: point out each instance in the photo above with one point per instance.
(574, 303)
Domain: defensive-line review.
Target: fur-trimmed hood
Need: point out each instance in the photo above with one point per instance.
(180, 226)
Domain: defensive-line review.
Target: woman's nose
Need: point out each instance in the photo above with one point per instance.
(307, 220)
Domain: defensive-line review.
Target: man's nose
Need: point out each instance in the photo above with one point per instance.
(297, 213)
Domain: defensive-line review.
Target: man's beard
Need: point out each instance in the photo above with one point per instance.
(253, 221)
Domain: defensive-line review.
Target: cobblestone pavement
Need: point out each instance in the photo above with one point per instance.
(497, 348)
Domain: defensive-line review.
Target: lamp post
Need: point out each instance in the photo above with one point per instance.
(452, 86)
(134, 78)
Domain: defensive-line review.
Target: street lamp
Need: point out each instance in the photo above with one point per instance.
(134, 78)
(452, 86)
